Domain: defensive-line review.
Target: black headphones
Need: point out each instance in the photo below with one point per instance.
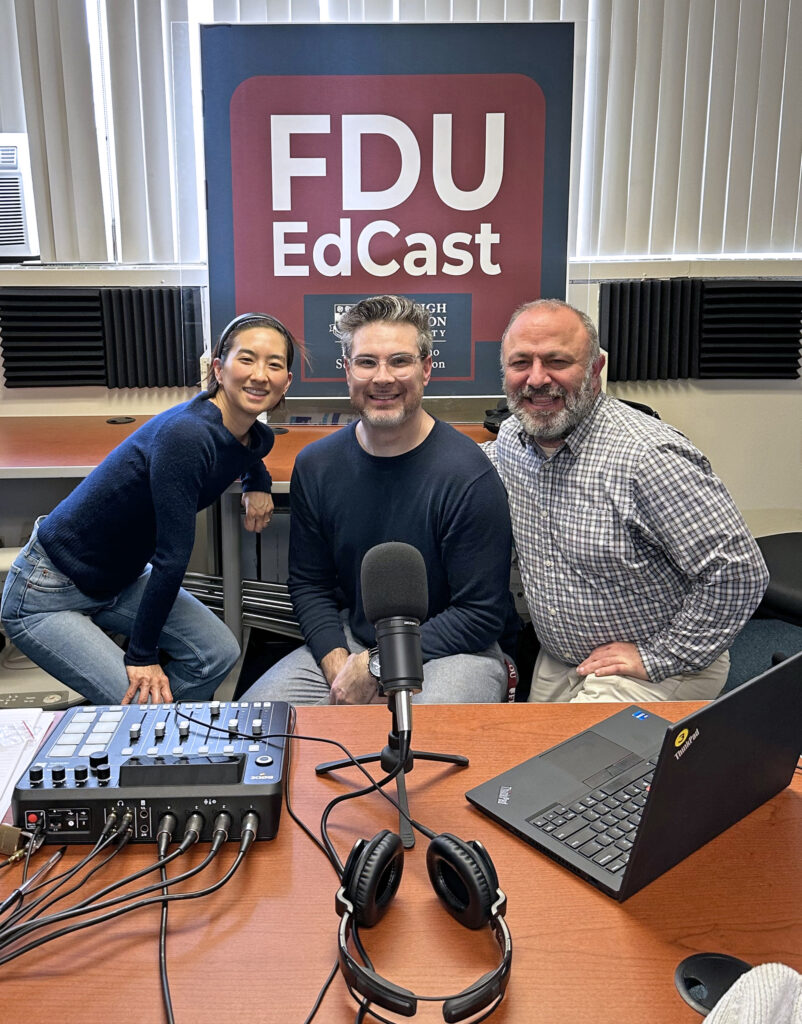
(464, 878)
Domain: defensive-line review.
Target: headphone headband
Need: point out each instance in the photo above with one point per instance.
(480, 995)
(464, 879)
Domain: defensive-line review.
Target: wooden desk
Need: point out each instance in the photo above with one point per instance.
(71, 446)
(32, 447)
(259, 949)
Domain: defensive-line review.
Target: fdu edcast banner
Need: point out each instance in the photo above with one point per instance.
(352, 160)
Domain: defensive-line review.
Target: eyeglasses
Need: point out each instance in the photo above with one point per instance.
(400, 366)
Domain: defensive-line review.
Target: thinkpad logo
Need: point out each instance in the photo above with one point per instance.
(682, 736)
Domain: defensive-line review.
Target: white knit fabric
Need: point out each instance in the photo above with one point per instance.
(768, 994)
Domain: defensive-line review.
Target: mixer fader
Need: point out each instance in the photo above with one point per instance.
(150, 759)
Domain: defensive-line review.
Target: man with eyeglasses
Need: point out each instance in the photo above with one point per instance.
(397, 474)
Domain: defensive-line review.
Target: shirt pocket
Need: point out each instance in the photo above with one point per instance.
(596, 543)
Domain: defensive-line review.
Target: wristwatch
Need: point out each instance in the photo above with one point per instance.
(374, 665)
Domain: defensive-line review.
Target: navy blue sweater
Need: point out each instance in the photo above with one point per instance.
(443, 497)
(140, 504)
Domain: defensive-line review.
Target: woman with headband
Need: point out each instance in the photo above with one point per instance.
(111, 557)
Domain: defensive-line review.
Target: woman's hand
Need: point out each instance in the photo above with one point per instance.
(151, 682)
(258, 510)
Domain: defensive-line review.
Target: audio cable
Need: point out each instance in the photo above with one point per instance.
(164, 836)
(324, 843)
(374, 785)
(19, 893)
(110, 835)
(327, 847)
(191, 835)
(54, 883)
(249, 830)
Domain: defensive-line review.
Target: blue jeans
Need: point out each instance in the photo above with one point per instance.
(62, 629)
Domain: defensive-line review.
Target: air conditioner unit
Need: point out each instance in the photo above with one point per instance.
(18, 236)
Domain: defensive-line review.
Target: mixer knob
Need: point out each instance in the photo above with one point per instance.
(135, 731)
(36, 774)
(81, 774)
(97, 758)
(183, 730)
(104, 773)
(233, 726)
(159, 731)
(58, 774)
(214, 708)
(256, 727)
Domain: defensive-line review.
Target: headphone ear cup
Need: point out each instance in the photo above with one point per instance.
(463, 876)
(372, 875)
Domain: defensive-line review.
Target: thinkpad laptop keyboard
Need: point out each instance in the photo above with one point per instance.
(602, 824)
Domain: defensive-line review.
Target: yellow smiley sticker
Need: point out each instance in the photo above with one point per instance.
(681, 738)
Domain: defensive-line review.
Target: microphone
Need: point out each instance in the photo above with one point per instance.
(395, 596)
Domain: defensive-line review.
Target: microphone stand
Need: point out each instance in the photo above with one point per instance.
(389, 756)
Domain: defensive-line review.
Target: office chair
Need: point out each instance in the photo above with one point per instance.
(783, 598)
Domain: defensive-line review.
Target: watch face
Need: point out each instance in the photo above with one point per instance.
(374, 665)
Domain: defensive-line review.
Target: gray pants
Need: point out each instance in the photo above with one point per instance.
(460, 679)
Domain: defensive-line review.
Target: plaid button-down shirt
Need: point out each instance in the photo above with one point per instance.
(626, 534)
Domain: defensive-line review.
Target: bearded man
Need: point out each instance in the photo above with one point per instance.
(396, 474)
(638, 569)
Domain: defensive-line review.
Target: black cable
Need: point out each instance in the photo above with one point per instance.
(89, 905)
(314, 739)
(56, 883)
(327, 846)
(109, 835)
(249, 833)
(124, 910)
(324, 832)
(165, 982)
(322, 992)
(18, 895)
(288, 761)
(164, 834)
(121, 843)
(186, 844)
(32, 845)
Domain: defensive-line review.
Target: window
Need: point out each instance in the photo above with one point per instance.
(686, 134)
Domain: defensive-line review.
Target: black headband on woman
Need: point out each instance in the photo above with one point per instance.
(232, 329)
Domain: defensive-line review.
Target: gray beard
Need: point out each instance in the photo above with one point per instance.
(553, 426)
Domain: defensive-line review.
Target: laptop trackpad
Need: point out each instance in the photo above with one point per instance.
(585, 755)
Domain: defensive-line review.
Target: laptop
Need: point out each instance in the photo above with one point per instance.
(624, 801)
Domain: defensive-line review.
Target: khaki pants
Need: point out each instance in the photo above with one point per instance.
(554, 681)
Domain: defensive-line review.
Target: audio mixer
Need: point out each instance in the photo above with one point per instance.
(150, 759)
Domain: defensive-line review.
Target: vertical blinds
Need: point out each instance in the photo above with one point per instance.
(687, 138)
